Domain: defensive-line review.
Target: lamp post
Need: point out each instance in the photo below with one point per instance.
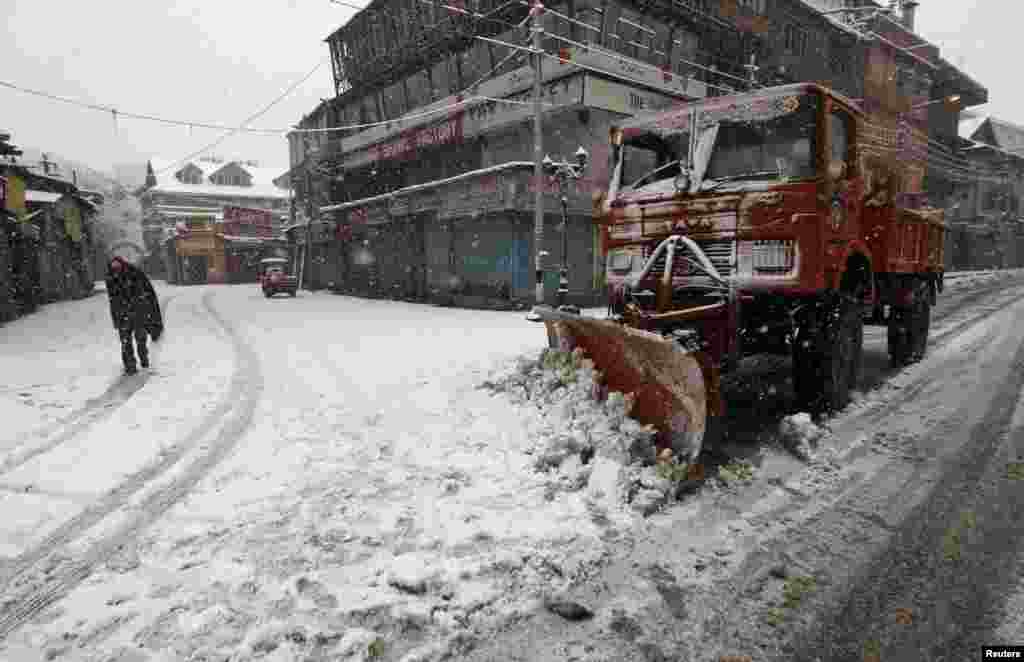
(562, 172)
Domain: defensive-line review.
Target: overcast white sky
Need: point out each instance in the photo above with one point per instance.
(221, 60)
(217, 61)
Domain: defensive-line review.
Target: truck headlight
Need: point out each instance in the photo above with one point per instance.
(773, 255)
(623, 261)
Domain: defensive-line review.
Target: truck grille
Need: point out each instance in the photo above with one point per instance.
(721, 252)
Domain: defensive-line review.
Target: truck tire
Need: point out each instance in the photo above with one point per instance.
(908, 330)
(827, 359)
(268, 293)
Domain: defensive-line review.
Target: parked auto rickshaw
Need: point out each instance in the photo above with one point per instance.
(274, 277)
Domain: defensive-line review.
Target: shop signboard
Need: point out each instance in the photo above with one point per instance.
(626, 99)
(14, 196)
(561, 93)
(241, 221)
(407, 143)
(72, 220)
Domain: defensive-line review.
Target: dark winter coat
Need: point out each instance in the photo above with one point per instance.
(133, 301)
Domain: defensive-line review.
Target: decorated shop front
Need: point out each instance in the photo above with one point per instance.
(199, 253)
(468, 240)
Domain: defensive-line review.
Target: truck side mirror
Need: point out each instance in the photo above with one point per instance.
(836, 170)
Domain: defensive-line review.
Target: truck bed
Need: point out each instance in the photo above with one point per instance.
(905, 241)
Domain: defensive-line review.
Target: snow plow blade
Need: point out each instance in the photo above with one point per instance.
(667, 382)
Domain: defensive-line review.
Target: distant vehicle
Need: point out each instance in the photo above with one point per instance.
(274, 277)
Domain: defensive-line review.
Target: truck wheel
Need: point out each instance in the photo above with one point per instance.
(908, 330)
(267, 293)
(827, 362)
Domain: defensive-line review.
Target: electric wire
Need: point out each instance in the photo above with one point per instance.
(716, 72)
(291, 88)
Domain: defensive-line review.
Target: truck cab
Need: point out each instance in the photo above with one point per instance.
(770, 222)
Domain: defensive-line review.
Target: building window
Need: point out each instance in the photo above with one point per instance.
(558, 27)
(592, 19)
(635, 38)
(756, 6)
(796, 40)
(839, 134)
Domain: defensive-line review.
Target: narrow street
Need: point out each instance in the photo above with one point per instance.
(281, 464)
(303, 477)
(900, 536)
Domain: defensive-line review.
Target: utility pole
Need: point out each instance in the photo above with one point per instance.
(752, 70)
(537, 29)
(311, 208)
(47, 163)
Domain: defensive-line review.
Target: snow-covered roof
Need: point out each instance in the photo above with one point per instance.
(262, 180)
(44, 197)
(1005, 136)
(244, 240)
(970, 125)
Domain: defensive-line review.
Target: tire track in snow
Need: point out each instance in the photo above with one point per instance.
(911, 572)
(94, 411)
(235, 411)
(968, 319)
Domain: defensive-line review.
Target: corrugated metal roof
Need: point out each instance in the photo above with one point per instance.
(970, 125)
(245, 240)
(1009, 136)
(43, 197)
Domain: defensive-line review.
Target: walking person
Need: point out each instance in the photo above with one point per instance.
(134, 310)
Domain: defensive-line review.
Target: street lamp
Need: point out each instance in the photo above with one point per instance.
(563, 171)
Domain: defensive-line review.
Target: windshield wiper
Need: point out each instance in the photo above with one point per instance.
(715, 183)
(643, 180)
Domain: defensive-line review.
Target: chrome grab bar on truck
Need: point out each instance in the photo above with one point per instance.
(670, 244)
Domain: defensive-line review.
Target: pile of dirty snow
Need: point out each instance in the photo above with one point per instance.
(801, 435)
(583, 436)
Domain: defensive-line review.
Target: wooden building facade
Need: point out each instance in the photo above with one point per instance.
(420, 191)
(47, 241)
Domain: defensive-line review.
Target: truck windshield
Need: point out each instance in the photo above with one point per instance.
(652, 159)
(767, 139)
(779, 147)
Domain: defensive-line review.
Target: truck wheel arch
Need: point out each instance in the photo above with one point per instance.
(857, 271)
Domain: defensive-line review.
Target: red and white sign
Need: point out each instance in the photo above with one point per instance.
(409, 142)
(240, 221)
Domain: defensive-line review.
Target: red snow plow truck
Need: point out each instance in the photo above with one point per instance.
(779, 221)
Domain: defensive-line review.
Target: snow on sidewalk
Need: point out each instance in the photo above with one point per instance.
(53, 362)
(379, 493)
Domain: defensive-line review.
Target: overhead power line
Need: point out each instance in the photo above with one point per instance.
(349, 5)
(121, 113)
(259, 113)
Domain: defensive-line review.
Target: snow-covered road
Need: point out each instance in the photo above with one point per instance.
(296, 475)
(324, 478)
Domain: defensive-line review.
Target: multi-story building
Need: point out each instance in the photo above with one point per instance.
(987, 228)
(196, 192)
(192, 197)
(434, 190)
(46, 239)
